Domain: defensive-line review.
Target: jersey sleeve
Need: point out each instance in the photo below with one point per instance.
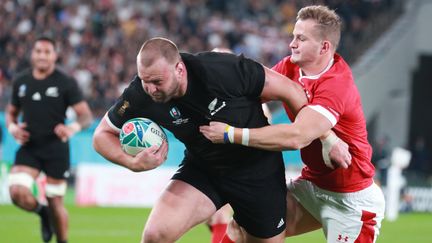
(331, 95)
(253, 76)
(14, 99)
(73, 93)
(125, 106)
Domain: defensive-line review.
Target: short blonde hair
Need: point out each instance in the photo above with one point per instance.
(156, 48)
(328, 22)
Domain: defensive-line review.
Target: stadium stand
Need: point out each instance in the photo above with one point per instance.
(98, 37)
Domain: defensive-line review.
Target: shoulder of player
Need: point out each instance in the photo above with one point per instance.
(134, 91)
(22, 76)
(66, 80)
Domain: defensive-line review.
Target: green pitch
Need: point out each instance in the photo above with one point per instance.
(123, 225)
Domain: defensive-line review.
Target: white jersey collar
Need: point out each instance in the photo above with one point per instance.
(329, 65)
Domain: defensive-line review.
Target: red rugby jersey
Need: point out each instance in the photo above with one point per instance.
(334, 94)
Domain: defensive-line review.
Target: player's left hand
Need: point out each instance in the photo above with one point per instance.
(214, 131)
(149, 158)
(64, 132)
(339, 155)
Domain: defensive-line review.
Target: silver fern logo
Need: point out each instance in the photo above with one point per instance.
(212, 106)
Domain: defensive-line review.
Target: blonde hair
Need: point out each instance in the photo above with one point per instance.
(156, 48)
(328, 22)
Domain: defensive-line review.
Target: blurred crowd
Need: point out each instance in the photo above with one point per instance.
(98, 40)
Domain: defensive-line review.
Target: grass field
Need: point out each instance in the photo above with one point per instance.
(123, 225)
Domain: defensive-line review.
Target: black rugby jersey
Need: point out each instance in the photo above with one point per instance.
(221, 87)
(43, 103)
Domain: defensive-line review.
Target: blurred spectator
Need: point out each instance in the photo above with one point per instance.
(97, 37)
(381, 158)
(421, 160)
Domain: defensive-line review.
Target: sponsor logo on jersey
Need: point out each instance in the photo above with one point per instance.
(175, 113)
(22, 90)
(281, 223)
(342, 238)
(214, 107)
(36, 96)
(52, 92)
(123, 108)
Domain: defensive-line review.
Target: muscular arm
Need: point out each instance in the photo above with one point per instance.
(107, 144)
(279, 87)
(84, 115)
(308, 126)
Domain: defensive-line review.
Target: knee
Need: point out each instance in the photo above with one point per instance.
(290, 230)
(19, 194)
(154, 234)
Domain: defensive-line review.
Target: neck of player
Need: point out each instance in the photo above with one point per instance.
(41, 74)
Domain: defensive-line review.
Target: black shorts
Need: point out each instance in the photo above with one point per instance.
(258, 198)
(51, 157)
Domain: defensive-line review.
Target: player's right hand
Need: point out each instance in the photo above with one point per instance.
(19, 132)
(149, 158)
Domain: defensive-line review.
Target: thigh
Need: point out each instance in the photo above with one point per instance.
(354, 217)
(259, 204)
(55, 159)
(26, 158)
(180, 207)
(33, 172)
(299, 220)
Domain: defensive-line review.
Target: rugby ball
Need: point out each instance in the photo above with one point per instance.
(140, 133)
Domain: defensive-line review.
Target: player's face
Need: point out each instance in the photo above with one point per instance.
(43, 56)
(160, 81)
(306, 45)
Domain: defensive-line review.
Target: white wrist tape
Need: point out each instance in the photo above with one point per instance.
(327, 144)
(75, 127)
(12, 127)
(245, 136)
(231, 134)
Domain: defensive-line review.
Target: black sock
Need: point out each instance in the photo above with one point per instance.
(61, 241)
(38, 208)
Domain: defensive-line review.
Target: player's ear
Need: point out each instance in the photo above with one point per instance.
(180, 68)
(326, 45)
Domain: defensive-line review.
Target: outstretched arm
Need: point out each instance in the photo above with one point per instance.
(107, 143)
(279, 87)
(308, 125)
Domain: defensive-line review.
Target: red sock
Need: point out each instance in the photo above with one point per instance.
(226, 239)
(218, 232)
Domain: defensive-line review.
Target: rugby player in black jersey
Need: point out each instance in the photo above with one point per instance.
(41, 95)
(180, 92)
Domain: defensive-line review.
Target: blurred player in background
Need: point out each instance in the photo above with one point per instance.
(345, 202)
(42, 95)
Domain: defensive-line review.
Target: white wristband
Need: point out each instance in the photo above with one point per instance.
(75, 127)
(327, 144)
(231, 134)
(245, 136)
(12, 127)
